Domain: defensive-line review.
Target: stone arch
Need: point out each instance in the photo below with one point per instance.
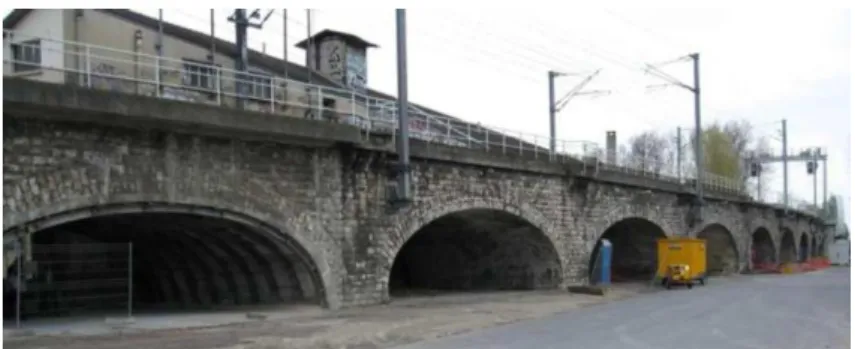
(254, 286)
(787, 252)
(763, 250)
(97, 190)
(633, 242)
(422, 216)
(722, 250)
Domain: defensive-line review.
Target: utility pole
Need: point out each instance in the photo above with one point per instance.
(403, 109)
(213, 48)
(786, 165)
(158, 47)
(825, 182)
(242, 23)
(814, 170)
(551, 75)
(309, 46)
(696, 90)
(679, 154)
(556, 106)
(699, 142)
(285, 43)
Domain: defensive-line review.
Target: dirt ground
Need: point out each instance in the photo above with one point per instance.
(402, 321)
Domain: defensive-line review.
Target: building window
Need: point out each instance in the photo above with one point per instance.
(257, 85)
(199, 75)
(27, 55)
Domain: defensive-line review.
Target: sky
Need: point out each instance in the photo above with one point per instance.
(490, 66)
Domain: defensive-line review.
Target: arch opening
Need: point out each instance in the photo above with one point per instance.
(722, 255)
(475, 250)
(633, 249)
(788, 246)
(804, 248)
(762, 248)
(178, 260)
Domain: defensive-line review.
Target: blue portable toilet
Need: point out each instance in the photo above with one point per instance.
(603, 264)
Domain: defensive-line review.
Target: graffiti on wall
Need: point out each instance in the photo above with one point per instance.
(332, 59)
(356, 70)
(106, 76)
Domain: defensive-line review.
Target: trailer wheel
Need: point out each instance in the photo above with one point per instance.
(690, 285)
(703, 281)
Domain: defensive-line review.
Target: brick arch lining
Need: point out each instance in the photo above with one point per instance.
(423, 215)
(33, 210)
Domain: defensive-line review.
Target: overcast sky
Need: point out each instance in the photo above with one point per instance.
(490, 66)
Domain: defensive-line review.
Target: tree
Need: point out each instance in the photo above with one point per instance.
(648, 151)
(728, 149)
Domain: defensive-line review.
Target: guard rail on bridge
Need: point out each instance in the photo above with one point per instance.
(66, 62)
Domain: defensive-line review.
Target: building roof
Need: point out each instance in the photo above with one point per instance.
(349, 39)
(256, 58)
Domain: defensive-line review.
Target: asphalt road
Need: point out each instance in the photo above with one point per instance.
(808, 311)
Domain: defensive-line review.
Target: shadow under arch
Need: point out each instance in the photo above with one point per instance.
(266, 264)
(475, 248)
(788, 246)
(722, 252)
(633, 242)
(762, 247)
(804, 248)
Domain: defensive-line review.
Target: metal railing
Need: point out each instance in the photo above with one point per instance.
(204, 82)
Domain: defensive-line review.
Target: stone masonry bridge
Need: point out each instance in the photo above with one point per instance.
(232, 207)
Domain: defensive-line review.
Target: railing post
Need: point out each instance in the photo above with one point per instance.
(427, 127)
(468, 135)
(320, 103)
(504, 142)
(157, 76)
(272, 95)
(353, 110)
(520, 143)
(486, 139)
(448, 130)
(219, 85)
(88, 67)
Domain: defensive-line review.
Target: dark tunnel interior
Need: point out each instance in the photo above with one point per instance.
(804, 248)
(475, 250)
(722, 257)
(633, 249)
(178, 261)
(788, 247)
(762, 247)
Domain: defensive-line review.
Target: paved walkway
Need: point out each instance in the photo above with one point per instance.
(809, 311)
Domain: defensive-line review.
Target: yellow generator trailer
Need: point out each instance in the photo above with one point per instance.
(681, 261)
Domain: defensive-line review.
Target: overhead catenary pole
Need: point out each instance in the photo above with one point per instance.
(699, 148)
(403, 108)
(285, 43)
(551, 76)
(309, 48)
(241, 24)
(785, 160)
(213, 48)
(679, 154)
(815, 170)
(556, 106)
(158, 47)
(825, 181)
